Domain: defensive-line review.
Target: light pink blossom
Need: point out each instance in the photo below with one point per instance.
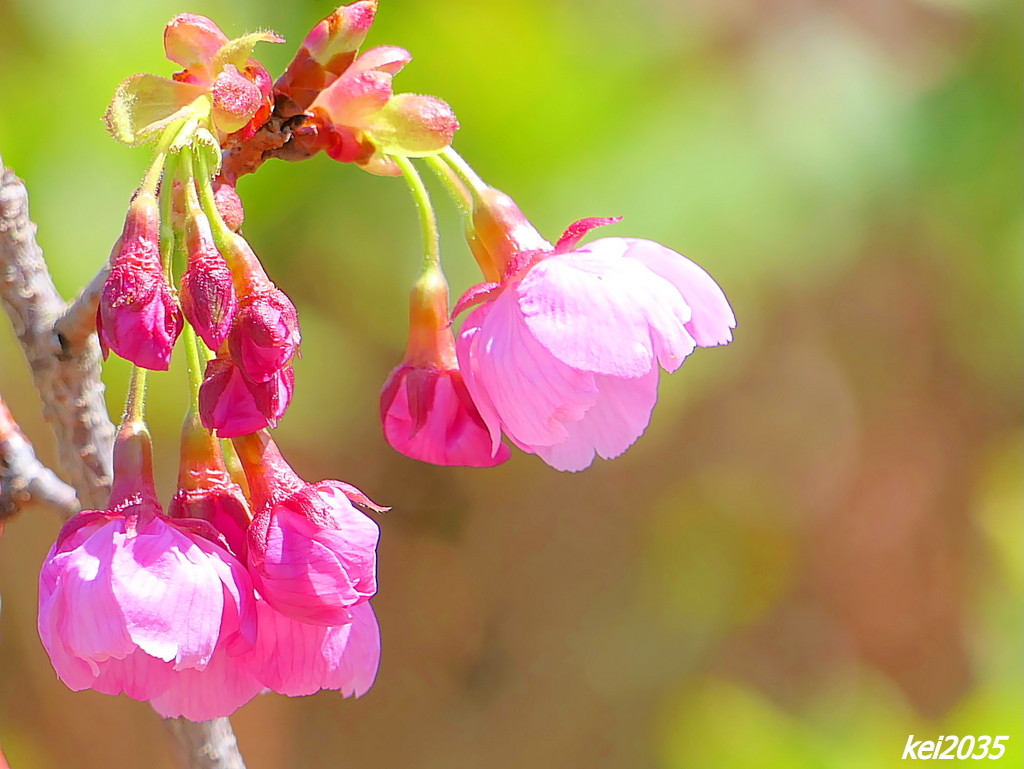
(129, 599)
(563, 355)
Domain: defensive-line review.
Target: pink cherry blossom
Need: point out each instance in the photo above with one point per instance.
(563, 357)
(233, 405)
(129, 599)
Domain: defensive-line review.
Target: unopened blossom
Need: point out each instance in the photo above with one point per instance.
(265, 335)
(207, 288)
(234, 405)
(563, 354)
(133, 602)
(311, 554)
(426, 411)
(206, 490)
(138, 317)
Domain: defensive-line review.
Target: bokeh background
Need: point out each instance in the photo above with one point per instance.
(815, 550)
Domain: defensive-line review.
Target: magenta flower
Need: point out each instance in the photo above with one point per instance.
(233, 405)
(296, 658)
(563, 357)
(129, 600)
(137, 316)
(425, 409)
(311, 554)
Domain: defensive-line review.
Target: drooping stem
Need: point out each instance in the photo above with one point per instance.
(452, 184)
(135, 408)
(196, 364)
(167, 233)
(428, 221)
(465, 171)
(221, 232)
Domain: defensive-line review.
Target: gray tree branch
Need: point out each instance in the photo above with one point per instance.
(63, 354)
(24, 480)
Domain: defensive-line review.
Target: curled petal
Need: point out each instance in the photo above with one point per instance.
(383, 58)
(192, 40)
(353, 97)
(236, 52)
(712, 318)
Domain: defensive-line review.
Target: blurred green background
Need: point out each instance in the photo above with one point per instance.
(816, 548)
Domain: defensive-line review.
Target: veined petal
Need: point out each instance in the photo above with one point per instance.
(145, 104)
(171, 596)
(596, 312)
(612, 425)
(712, 318)
(533, 392)
(220, 689)
(352, 653)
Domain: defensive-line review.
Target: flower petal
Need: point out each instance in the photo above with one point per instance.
(532, 392)
(171, 596)
(412, 125)
(712, 318)
(596, 312)
(220, 689)
(612, 425)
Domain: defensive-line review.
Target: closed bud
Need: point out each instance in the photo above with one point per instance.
(265, 335)
(207, 290)
(138, 318)
(425, 409)
(233, 405)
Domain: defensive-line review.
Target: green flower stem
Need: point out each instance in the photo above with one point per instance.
(454, 186)
(135, 408)
(168, 236)
(196, 364)
(222, 234)
(428, 222)
(469, 177)
(149, 184)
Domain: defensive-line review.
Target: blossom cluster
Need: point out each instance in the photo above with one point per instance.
(253, 579)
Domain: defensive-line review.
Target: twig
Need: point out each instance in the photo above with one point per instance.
(69, 385)
(207, 745)
(67, 376)
(24, 479)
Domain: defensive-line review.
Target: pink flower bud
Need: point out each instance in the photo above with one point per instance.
(137, 316)
(312, 555)
(205, 489)
(265, 335)
(207, 288)
(425, 409)
(233, 405)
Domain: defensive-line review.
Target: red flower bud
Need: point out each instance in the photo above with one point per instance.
(232, 405)
(137, 316)
(207, 290)
(265, 335)
(425, 409)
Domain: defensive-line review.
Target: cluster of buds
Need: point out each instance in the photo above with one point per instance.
(255, 579)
